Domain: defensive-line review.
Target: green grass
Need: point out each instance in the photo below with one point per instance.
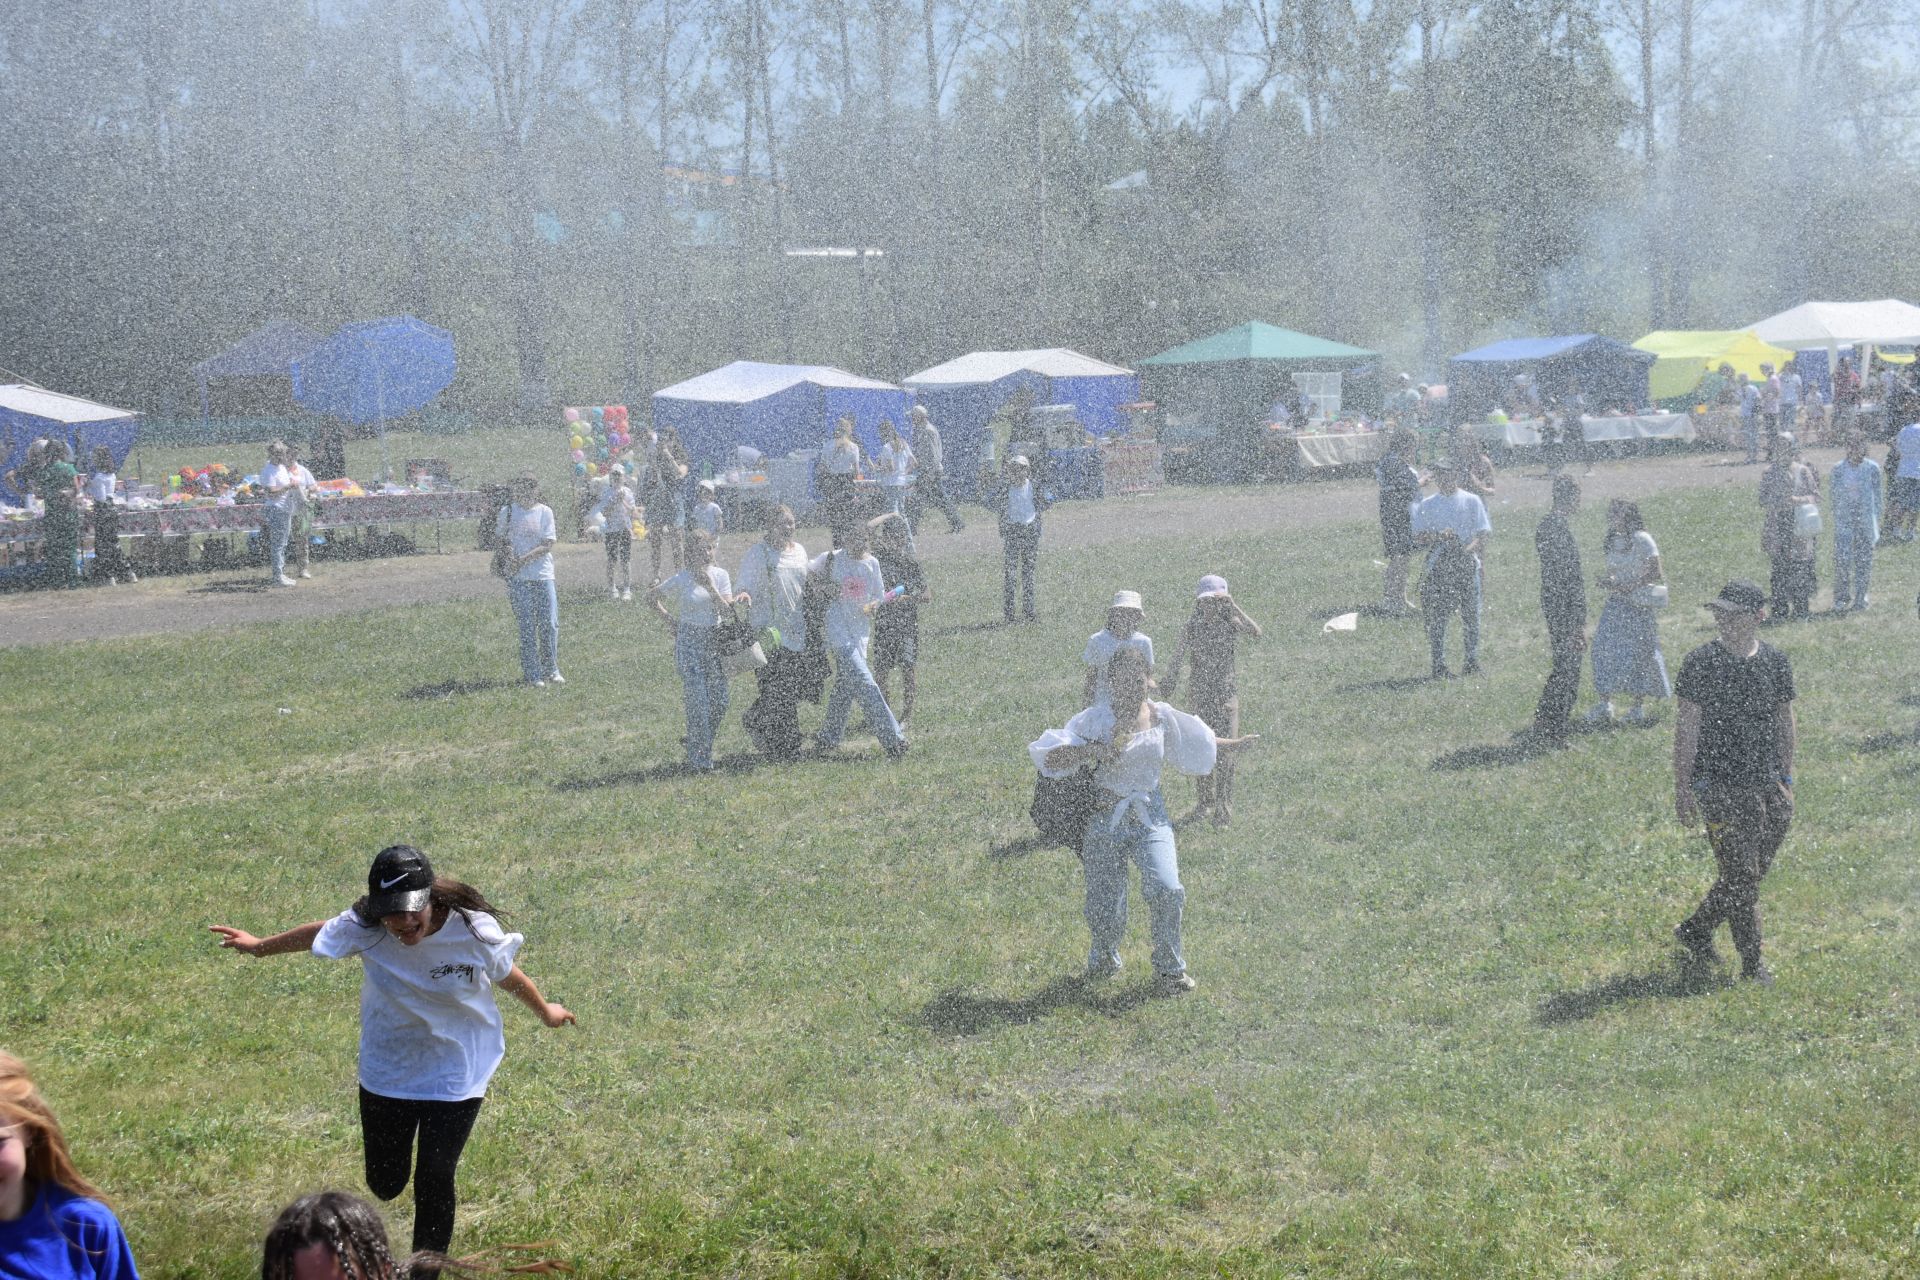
(825, 1031)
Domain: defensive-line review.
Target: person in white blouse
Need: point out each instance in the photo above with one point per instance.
(698, 593)
(1452, 524)
(301, 544)
(282, 496)
(527, 525)
(857, 589)
(835, 473)
(896, 465)
(1129, 742)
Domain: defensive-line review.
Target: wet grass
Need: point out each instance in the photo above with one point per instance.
(827, 1026)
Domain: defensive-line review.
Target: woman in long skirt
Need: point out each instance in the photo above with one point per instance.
(1626, 643)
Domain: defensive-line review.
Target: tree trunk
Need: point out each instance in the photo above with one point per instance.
(1681, 175)
(1432, 349)
(1656, 278)
(777, 234)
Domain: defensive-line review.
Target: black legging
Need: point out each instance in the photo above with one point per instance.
(387, 1127)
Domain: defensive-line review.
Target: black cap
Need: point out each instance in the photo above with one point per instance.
(400, 880)
(1742, 595)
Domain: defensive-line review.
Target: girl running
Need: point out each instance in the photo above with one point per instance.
(431, 951)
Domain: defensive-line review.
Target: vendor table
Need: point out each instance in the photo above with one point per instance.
(744, 501)
(1524, 433)
(1340, 450)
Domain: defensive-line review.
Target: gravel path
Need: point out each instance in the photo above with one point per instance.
(217, 601)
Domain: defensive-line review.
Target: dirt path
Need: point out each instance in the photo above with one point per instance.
(216, 601)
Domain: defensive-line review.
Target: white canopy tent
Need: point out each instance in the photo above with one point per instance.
(991, 366)
(1829, 326)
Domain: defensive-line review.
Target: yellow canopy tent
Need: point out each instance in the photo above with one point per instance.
(1685, 355)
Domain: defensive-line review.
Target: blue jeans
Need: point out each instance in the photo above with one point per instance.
(854, 681)
(1445, 589)
(1852, 562)
(1149, 846)
(537, 610)
(704, 686)
(1750, 430)
(279, 529)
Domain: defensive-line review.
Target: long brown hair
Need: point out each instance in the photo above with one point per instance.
(447, 894)
(27, 1113)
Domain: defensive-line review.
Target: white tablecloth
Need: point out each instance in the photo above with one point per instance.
(1524, 433)
(1341, 450)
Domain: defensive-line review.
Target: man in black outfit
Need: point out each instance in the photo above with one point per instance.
(1733, 745)
(1563, 598)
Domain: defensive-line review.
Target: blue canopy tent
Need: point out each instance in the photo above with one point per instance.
(266, 353)
(775, 408)
(375, 370)
(28, 412)
(1610, 374)
(963, 395)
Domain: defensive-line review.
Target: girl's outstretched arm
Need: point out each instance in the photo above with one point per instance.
(520, 986)
(298, 938)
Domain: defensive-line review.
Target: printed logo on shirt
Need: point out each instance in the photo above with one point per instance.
(452, 971)
(853, 590)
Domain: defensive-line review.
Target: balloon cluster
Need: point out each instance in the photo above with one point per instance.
(595, 434)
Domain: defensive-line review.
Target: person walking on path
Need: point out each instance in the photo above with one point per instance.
(1733, 748)
(1210, 638)
(932, 475)
(698, 592)
(432, 951)
(54, 1224)
(1399, 493)
(1020, 505)
(1125, 613)
(1563, 600)
(857, 589)
(526, 526)
(1130, 743)
(1452, 524)
(1854, 488)
(283, 495)
(773, 577)
(1626, 643)
(1788, 534)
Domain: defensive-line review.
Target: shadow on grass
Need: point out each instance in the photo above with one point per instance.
(735, 766)
(1892, 740)
(1395, 685)
(1021, 848)
(968, 628)
(1372, 610)
(1681, 980)
(956, 1013)
(449, 688)
(1909, 700)
(1523, 746)
(233, 587)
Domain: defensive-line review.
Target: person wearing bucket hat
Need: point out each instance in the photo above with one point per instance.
(1452, 525)
(1733, 748)
(1125, 613)
(432, 952)
(1209, 638)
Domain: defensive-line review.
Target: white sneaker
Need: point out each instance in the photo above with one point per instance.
(613, 593)
(626, 593)
(132, 576)
(306, 573)
(556, 678)
(539, 684)
(1601, 714)
(283, 581)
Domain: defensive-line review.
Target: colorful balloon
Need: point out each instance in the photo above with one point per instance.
(571, 415)
(579, 455)
(578, 441)
(591, 469)
(598, 413)
(579, 468)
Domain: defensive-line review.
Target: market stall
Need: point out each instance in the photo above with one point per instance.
(1318, 450)
(1608, 375)
(1683, 358)
(1526, 433)
(28, 413)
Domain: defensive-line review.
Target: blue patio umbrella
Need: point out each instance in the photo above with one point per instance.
(375, 370)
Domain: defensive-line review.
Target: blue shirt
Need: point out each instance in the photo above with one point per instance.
(62, 1236)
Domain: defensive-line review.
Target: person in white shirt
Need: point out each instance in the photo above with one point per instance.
(1129, 742)
(1020, 506)
(303, 490)
(773, 574)
(1452, 524)
(617, 509)
(109, 562)
(1770, 393)
(282, 495)
(431, 952)
(1750, 417)
(698, 593)
(526, 525)
(1903, 488)
(931, 476)
(834, 475)
(706, 513)
(1790, 400)
(896, 466)
(1124, 615)
(857, 589)
(1853, 490)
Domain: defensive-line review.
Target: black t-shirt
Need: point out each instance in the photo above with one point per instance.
(902, 618)
(1563, 591)
(1738, 698)
(1399, 490)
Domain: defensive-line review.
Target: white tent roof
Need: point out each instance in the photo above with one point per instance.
(1822, 326)
(991, 366)
(24, 397)
(747, 380)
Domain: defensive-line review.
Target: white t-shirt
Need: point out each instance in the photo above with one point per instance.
(1628, 562)
(775, 579)
(688, 599)
(842, 458)
(1101, 646)
(429, 1027)
(1790, 391)
(100, 486)
(1459, 511)
(1909, 442)
(926, 440)
(1020, 509)
(525, 528)
(272, 478)
(618, 506)
(894, 461)
(1176, 738)
(707, 516)
(859, 582)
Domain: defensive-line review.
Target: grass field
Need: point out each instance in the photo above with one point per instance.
(827, 1025)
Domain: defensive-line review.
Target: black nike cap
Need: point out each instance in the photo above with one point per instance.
(401, 879)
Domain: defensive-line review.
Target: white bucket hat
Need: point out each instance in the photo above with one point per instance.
(1127, 600)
